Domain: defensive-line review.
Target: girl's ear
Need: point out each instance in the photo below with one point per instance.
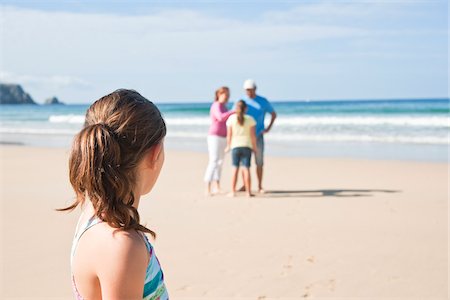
(153, 155)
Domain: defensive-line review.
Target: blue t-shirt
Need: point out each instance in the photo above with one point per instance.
(257, 108)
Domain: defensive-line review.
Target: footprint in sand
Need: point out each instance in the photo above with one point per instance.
(184, 288)
(287, 266)
(307, 292)
(286, 269)
(330, 284)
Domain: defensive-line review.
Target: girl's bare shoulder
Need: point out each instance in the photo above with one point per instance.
(112, 243)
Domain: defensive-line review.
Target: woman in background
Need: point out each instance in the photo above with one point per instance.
(115, 159)
(241, 139)
(217, 139)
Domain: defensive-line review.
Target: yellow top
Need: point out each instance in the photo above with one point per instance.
(241, 134)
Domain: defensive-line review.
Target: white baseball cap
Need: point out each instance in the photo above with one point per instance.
(249, 84)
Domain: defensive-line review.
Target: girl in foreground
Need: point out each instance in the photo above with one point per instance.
(241, 138)
(115, 159)
(217, 139)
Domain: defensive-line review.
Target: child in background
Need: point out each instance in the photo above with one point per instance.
(241, 139)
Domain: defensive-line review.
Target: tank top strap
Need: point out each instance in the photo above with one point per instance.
(80, 231)
(147, 242)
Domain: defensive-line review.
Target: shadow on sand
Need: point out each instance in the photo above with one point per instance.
(325, 193)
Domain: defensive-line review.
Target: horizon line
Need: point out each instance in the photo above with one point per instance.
(285, 100)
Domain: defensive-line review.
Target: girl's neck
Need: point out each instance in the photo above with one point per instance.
(88, 209)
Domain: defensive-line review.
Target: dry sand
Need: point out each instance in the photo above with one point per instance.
(329, 228)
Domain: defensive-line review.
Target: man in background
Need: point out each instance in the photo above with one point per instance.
(258, 107)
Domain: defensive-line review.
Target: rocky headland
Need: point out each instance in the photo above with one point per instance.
(14, 94)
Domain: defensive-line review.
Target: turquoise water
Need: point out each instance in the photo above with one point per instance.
(393, 129)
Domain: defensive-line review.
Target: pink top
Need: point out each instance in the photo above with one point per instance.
(219, 115)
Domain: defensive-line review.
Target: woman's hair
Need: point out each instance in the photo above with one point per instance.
(221, 90)
(118, 131)
(240, 111)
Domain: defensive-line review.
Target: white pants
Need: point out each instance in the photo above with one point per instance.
(216, 148)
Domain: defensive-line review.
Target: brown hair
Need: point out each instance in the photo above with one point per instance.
(240, 111)
(220, 91)
(119, 129)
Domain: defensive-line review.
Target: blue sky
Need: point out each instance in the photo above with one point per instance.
(184, 50)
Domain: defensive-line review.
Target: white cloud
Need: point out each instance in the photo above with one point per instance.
(186, 53)
(178, 38)
(51, 82)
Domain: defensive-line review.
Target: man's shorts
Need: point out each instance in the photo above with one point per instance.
(241, 156)
(259, 157)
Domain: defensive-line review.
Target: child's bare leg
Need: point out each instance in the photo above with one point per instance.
(247, 181)
(242, 189)
(234, 181)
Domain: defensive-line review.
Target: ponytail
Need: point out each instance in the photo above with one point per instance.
(241, 106)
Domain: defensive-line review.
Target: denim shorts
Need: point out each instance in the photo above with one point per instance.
(241, 156)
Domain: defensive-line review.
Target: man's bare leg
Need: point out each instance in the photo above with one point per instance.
(259, 174)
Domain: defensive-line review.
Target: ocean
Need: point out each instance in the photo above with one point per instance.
(415, 129)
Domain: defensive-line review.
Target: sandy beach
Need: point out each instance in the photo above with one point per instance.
(327, 228)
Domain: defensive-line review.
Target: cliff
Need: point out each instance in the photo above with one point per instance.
(14, 94)
(52, 101)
